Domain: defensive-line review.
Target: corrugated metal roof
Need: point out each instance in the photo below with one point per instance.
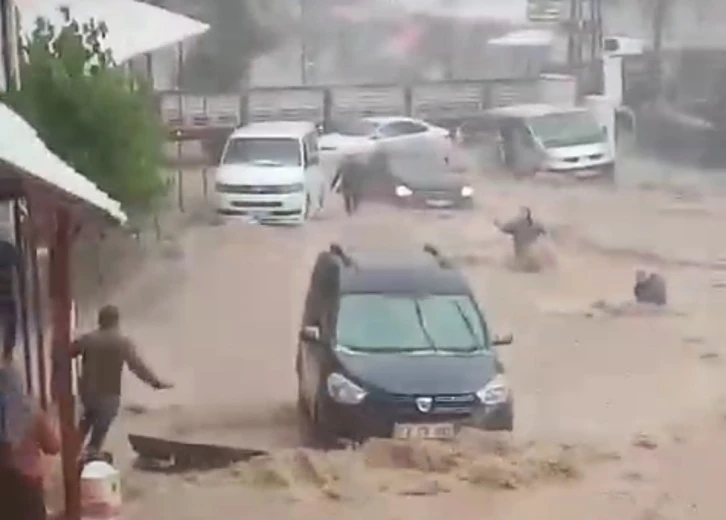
(134, 28)
(21, 147)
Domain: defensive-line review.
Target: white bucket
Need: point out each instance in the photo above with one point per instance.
(100, 492)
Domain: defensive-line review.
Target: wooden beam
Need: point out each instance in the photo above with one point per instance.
(61, 304)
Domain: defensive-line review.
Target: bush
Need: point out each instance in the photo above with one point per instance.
(90, 113)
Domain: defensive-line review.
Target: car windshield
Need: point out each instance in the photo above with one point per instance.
(567, 129)
(395, 323)
(263, 152)
(355, 128)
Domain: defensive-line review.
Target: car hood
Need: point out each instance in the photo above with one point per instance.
(258, 175)
(444, 182)
(420, 373)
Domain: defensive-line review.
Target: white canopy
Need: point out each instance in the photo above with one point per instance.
(21, 148)
(134, 28)
(525, 38)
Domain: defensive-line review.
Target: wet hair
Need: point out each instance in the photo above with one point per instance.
(108, 317)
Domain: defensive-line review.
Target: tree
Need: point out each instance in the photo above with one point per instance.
(240, 30)
(89, 112)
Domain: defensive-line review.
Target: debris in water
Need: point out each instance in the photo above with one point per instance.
(644, 441)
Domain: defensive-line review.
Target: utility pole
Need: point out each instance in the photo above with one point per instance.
(7, 44)
(303, 43)
(585, 38)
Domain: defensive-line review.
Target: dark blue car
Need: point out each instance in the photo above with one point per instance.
(395, 345)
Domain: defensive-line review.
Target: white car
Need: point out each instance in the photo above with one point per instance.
(370, 134)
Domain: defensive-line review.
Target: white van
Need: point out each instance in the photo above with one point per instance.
(550, 138)
(271, 171)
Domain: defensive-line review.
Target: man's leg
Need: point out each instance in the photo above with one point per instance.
(105, 414)
(356, 201)
(349, 208)
(86, 423)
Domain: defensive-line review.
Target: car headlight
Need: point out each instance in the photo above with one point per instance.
(344, 391)
(403, 191)
(467, 191)
(495, 392)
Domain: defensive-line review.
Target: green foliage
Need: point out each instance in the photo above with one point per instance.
(89, 112)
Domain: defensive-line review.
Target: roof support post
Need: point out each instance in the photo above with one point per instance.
(60, 273)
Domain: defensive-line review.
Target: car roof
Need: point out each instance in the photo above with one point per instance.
(532, 110)
(384, 120)
(398, 272)
(275, 129)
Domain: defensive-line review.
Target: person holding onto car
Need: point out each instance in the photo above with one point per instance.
(525, 231)
(104, 353)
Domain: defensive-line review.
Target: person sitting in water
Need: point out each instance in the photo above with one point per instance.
(650, 288)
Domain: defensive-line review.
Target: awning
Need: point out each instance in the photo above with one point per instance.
(525, 38)
(21, 148)
(134, 28)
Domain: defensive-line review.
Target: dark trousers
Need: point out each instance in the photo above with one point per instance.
(98, 416)
(352, 202)
(9, 323)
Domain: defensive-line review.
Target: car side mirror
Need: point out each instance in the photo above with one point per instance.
(310, 334)
(507, 339)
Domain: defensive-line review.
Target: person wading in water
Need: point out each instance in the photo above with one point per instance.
(104, 353)
(525, 231)
(348, 181)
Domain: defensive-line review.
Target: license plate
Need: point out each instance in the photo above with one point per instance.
(439, 203)
(424, 431)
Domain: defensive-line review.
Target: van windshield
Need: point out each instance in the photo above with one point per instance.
(263, 152)
(567, 129)
(409, 323)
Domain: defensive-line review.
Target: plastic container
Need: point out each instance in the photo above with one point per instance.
(100, 492)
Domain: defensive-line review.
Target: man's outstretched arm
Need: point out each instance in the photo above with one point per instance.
(142, 370)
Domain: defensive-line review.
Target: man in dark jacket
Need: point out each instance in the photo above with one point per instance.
(104, 353)
(349, 182)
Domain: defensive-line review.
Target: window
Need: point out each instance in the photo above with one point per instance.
(355, 128)
(398, 128)
(263, 151)
(381, 323)
(567, 129)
